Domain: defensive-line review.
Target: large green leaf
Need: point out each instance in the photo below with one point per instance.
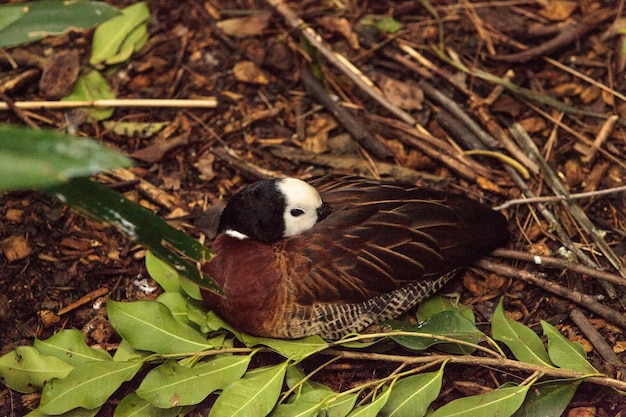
(372, 409)
(116, 39)
(501, 402)
(438, 303)
(168, 278)
(447, 323)
(293, 349)
(171, 384)
(32, 158)
(89, 385)
(133, 406)
(27, 22)
(69, 345)
(149, 325)
(167, 243)
(523, 342)
(565, 353)
(412, 395)
(25, 369)
(548, 399)
(253, 395)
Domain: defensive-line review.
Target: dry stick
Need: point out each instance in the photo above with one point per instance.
(601, 137)
(557, 188)
(431, 146)
(486, 119)
(100, 292)
(210, 102)
(569, 34)
(345, 118)
(549, 217)
(587, 301)
(480, 361)
(595, 338)
(337, 59)
(551, 198)
(552, 262)
(343, 162)
(459, 113)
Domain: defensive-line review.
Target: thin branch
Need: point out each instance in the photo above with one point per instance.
(587, 301)
(209, 102)
(480, 361)
(547, 199)
(552, 262)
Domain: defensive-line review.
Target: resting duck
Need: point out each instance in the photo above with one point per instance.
(338, 254)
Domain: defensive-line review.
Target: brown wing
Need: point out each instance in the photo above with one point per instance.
(381, 236)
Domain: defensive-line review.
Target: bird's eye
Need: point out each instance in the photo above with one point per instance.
(297, 212)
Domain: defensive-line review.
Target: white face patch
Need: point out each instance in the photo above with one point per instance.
(301, 204)
(235, 234)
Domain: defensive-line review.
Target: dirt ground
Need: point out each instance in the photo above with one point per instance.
(57, 268)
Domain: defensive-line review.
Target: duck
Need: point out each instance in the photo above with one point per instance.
(336, 254)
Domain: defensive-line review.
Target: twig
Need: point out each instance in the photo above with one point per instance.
(587, 301)
(577, 212)
(601, 137)
(353, 164)
(569, 34)
(345, 118)
(548, 199)
(338, 60)
(552, 262)
(482, 114)
(481, 361)
(100, 292)
(210, 102)
(595, 338)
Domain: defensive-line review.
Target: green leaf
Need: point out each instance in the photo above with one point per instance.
(176, 303)
(149, 325)
(172, 245)
(372, 409)
(26, 370)
(501, 402)
(125, 352)
(565, 353)
(171, 385)
(548, 399)
(341, 405)
(253, 395)
(388, 25)
(523, 342)
(92, 86)
(70, 346)
(446, 323)
(292, 349)
(412, 395)
(133, 43)
(111, 42)
(133, 406)
(437, 304)
(307, 404)
(89, 385)
(23, 23)
(32, 158)
(162, 273)
(77, 412)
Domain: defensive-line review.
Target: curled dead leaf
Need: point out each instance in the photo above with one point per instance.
(249, 72)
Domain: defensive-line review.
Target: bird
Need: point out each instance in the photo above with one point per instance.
(335, 254)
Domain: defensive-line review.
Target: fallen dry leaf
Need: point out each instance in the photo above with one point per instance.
(242, 27)
(249, 72)
(558, 10)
